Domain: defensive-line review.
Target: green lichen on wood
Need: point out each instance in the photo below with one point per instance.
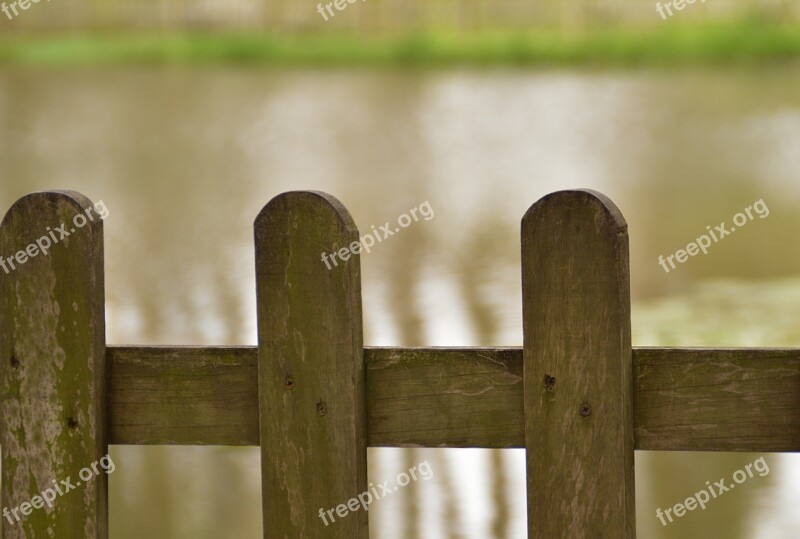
(313, 436)
(52, 360)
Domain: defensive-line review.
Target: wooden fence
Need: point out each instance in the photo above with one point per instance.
(576, 395)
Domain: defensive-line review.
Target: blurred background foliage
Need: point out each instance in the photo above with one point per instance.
(401, 31)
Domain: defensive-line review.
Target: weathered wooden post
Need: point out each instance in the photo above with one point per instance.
(577, 368)
(52, 365)
(311, 369)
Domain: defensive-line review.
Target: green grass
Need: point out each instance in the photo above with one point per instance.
(667, 44)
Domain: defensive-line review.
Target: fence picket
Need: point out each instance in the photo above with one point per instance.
(311, 369)
(577, 371)
(52, 368)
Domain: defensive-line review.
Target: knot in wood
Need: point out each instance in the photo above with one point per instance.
(321, 408)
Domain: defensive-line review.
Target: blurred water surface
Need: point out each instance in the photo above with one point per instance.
(185, 158)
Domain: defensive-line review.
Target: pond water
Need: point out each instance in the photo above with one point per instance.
(185, 158)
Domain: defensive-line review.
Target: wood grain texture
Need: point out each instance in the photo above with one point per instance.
(476, 395)
(685, 399)
(311, 369)
(577, 368)
(183, 395)
(717, 400)
(52, 367)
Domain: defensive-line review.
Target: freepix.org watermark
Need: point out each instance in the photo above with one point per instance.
(715, 490)
(52, 237)
(340, 5)
(703, 242)
(379, 234)
(23, 5)
(679, 5)
(59, 488)
(370, 495)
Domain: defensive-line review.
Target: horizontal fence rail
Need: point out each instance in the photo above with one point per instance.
(685, 399)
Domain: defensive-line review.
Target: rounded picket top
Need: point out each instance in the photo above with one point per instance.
(321, 206)
(607, 214)
(51, 206)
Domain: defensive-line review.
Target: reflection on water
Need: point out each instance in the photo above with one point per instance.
(185, 159)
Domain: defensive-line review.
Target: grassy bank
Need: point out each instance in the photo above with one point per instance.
(668, 44)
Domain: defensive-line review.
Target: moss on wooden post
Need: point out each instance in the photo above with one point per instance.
(311, 369)
(52, 365)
